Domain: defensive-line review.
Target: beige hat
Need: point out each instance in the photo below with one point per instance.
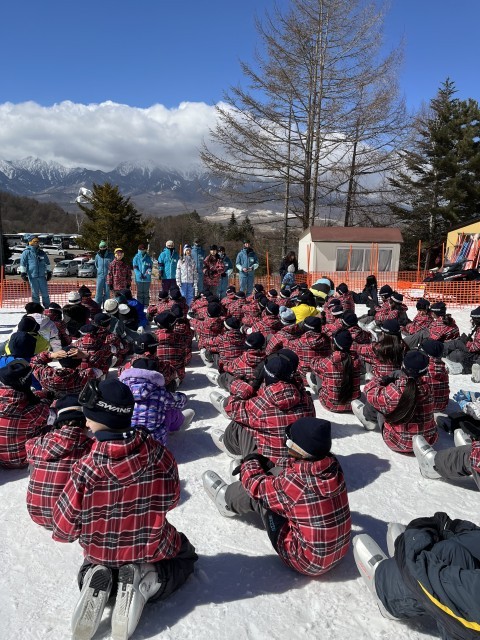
(123, 309)
(169, 244)
(110, 305)
(73, 297)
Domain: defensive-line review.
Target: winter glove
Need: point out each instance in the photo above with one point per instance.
(24, 277)
(264, 462)
(384, 380)
(462, 397)
(49, 276)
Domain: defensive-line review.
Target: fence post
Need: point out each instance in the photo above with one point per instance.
(268, 270)
(309, 248)
(419, 258)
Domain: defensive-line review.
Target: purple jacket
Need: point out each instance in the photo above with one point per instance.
(155, 407)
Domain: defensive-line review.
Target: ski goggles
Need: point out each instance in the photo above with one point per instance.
(91, 398)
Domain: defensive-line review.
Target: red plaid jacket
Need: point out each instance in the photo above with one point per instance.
(332, 327)
(119, 275)
(61, 381)
(329, 371)
(347, 301)
(286, 338)
(245, 365)
(213, 267)
(438, 375)
(385, 399)
(65, 337)
(207, 331)
(312, 496)
(170, 350)
(368, 354)
(250, 316)
(385, 312)
(99, 353)
(51, 458)
(359, 336)
(236, 308)
(185, 336)
(229, 345)
(443, 332)
(266, 324)
(227, 301)
(20, 420)
(309, 346)
(165, 368)
(267, 414)
(475, 456)
(420, 321)
(113, 342)
(328, 312)
(474, 345)
(159, 307)
(116, 501)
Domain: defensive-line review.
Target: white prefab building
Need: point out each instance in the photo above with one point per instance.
(350, 249)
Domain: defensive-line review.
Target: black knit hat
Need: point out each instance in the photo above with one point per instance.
(230, 289)
(175, 294)
(239, 295)
(54, 305)
(343, 340)
(334, 302)
(232, 323)
(336, 310)
(34, 307)
(415, 364)
(397, 297)
(17, 374)
(272, 309)
(277, 368)
(177, 311)
(342, 288)
(148, 364)
(84, 291)
(102, 320)
(87, 329)
(258, 287)
(422, 304)
(214, 309)
(310, 437)
(433, 348)
(285, 293)
(255, 340)
(22, 345)
(320, 290)
(306, 297)
(165, 320)
(290, 355)
(385, 291)
(162, 295)
(475, 313)
(144, 342)
(350, 319)
(28, 324)
(109, 402)
(263, 301)
(391, 327)
(313, 323)
(272, 293)
(439, 308)
(68, 408)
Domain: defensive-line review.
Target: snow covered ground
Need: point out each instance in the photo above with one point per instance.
(240, 589)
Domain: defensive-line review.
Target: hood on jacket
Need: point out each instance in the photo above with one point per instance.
(142, 382)
(282, 395)
(126, 460)
(324, 477)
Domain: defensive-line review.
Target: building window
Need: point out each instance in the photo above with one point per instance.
(350, 259)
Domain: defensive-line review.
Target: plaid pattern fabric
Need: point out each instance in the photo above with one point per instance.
(213, 267)
(20, 420)
(475, 456)
(329, 370)
(60, 381)
(443, 332)
(170, 350)
(250, 316)
(207, 330)
(438, 375)
(51, 458)
(309, 346)
(113, 342)
(385, 312)
(329, 317)
(368, 354)
(312, 496)
(119, 275)
(420, 321)
(347, 301)
(245, 365)
(236, 308)
(267, 414)
(159, 307)
(185, 336)
(116, 501)
(227, 302)
(286, 338)
(64, 336)
(165, 368)
(99, 353)
(229, 345)
(385, 399)
(359, 336)
(332, 327)
(474, 345)
(267, 324)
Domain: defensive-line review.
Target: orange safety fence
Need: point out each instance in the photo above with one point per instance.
(16, 293)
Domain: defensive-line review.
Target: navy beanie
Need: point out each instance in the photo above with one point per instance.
(273, 293)
(422, 304)
(28, 324)
(290, 355)
(313, 323)
(342, 288)
(177, 311)
(277, 368)
(255, 340)
(232, 323)
(311, 437)
(385, 291)
(17, 374)
(343, 340)
(350, 319)
(272, 309)
(475, 313)
(115, 406)
(22, 345)
(165, 320)
(397, 297)
(214, 309)
(391, 327)
(263, 301)
(175, 294)
(415, 364)
(433, 348)
(239, 295)
(68, 408)
(102, 320)
(258, 287)
(439, 308)
(162, 295)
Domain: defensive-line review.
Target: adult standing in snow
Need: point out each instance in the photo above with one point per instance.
(187, 276)
(102, 261)
(228, 270)
(142, 268)
(198, 254)
(212, 270)
(119, 272)
(247, 263)
(167, 266)
(35, 267)
(288, 260)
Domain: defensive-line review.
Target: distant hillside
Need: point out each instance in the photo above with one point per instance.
(21, 214)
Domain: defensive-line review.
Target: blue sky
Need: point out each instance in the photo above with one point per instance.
(165, 64)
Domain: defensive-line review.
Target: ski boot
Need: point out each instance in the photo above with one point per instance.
(357, 408)
(215, 488)
(453, 368)
(311, 382)
(188, 416)
(425, 455)
(94, 595)
(394, 530)
(219, 401)
(475, 372)
(460, 438)
(213, 376)
(217, 437)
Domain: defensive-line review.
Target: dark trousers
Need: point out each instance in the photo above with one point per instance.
(394, 594)
(172, 573)
(238, 441)
(225, 381)
(417, 338)
(373, 415)
(455, 463)
(168, 283)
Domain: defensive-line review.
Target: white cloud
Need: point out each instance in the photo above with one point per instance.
(100, 136)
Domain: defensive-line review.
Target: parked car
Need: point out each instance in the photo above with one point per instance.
(65, 268)
(80, 260)
(51, 250)
(87, 270)
(11, 266)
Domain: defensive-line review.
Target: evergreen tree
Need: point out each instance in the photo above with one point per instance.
(248, 231)
(440, 183)
(112, 217)
(234, 231)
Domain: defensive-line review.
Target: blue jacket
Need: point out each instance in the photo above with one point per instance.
(142, 267)
(198, 254)
(167, 264)
(227, 263)
(102, 263)
(34, 262)
(246, 258)
(439, 560)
